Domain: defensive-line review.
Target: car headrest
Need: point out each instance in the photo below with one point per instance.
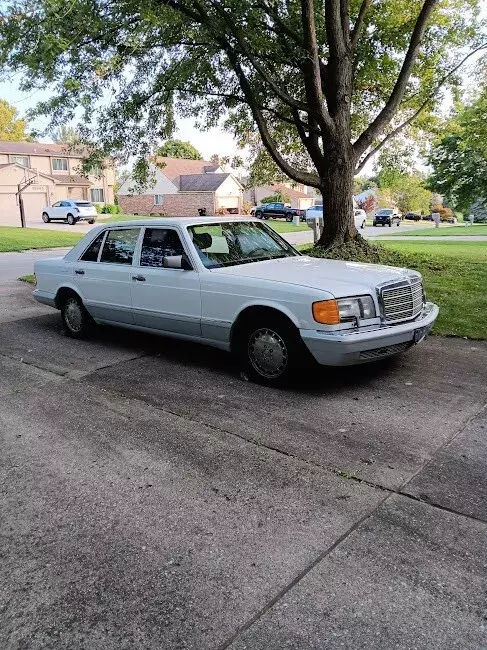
(203, 240)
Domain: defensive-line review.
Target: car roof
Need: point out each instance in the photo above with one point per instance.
(182, 221)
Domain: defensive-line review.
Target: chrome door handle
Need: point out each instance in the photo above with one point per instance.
(139, 278)
(79, 271)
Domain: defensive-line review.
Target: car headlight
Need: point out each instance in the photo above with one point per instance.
(357, 308)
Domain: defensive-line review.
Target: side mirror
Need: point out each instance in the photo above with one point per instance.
(176, 262)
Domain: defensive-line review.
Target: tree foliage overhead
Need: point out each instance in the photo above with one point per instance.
(66, 134)
(11, 127)
(459, 158)
(320, 83)
(179, 149)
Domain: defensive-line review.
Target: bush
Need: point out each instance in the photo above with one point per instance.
(98, 208)
(110, 208)
(247, 207)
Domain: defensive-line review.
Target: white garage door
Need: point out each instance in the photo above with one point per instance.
(34, 203)
(9, 210)
(228, 201)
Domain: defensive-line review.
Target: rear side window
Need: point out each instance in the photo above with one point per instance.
(83, 204)
(91, 253)
(159, 243)
(119, 246)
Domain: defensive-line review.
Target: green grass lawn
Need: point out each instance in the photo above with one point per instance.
(447, 231)
(284, 226)
(455, 277)
(22, 239)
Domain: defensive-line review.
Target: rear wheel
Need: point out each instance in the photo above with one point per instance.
(270, 350)
(258, 214)
(77, 321)
(289, 218)
(91, 221)
(45, 217)
(71, 219)
(390, 224)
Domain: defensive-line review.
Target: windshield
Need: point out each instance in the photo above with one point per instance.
(232, 243)
(385, 212)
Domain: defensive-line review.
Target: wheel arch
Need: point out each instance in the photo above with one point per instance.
(63, 293)
(252, 311)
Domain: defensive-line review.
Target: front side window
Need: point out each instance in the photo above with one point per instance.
(119, 246)
(59, 164)
(97, 195)
(232, 243)
(157, 244)
(91, 253)
(158, 199)
(20, 160)
(57, 204)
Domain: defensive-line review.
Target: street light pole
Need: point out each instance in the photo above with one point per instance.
(21, 206)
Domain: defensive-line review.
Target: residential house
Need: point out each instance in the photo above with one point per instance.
(180, 187)
(56, 170)
(297, 195)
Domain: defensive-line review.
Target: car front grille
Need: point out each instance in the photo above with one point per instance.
(387, 350)
(402, 302)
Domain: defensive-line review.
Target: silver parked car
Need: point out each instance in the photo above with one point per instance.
(70, 212)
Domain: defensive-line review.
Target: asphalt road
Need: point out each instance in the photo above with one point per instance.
(150, 499)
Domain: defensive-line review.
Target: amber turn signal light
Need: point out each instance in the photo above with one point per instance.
(326, 312)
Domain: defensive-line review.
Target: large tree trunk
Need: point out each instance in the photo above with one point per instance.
(337, 190)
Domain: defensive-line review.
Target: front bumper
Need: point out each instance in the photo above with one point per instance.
(352, 347)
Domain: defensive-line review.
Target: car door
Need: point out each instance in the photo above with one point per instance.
(55, 210)
(104, 275)
(165, 299)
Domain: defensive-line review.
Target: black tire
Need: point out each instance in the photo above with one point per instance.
(265, 340)
(390, 224)
(71, 219)
(258, 214)
(45, 217)
(91, 221)
(398, 224)
(289, 218)
(76, 320)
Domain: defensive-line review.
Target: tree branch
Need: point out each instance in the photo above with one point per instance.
(359, 23)
(392, 104)
(411, 119)
(313, 80)
(334, 29)
(299, 176)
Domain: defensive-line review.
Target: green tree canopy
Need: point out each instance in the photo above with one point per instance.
(321, 84)
(66, 134)
(459, 158)
(179, 149)
(11, 127)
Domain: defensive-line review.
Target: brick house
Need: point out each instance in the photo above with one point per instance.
(57, 171)
(180, 187)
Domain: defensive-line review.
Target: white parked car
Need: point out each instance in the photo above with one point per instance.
(70, 211)
(237, 285)
(359, 216)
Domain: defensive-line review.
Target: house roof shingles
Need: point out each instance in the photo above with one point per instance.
(40, 149)
(64, 179)
(201, 182)
(173, 168)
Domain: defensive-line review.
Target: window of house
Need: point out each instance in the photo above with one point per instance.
(157, 244)
(20, 160)
(158, 199)
(91, 253)
(59, 164)
(97, 195)
(119, 246)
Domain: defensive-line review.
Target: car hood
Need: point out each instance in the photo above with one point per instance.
(338, 277)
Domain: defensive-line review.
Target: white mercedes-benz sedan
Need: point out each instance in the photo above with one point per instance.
(236, 284)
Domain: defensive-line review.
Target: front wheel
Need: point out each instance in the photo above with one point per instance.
(270, 350)
(45, 217)
(71, 220)
(77, 321)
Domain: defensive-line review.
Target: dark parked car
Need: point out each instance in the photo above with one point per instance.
(386, 217)
(276, 210)
(413, 216)
(428, 217)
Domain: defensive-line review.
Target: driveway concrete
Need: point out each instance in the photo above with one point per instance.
(150, 499)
